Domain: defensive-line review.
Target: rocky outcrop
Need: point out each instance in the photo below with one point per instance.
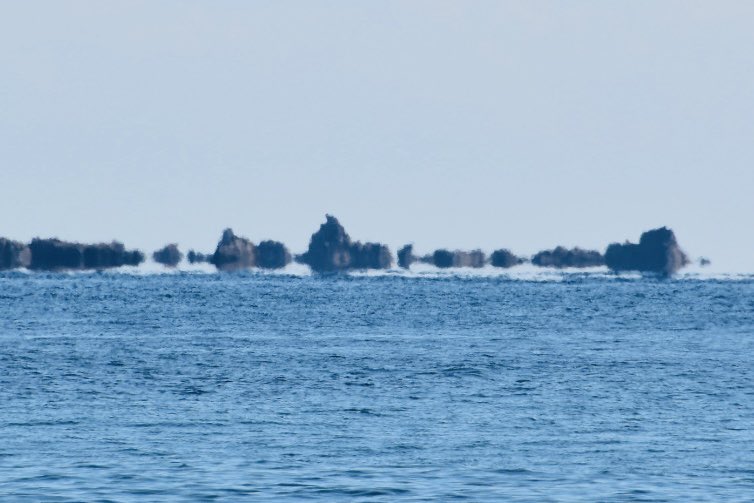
(562, 257)
(14, 254)
(504, 258)
(445, 258)
(54, 255)
(169, 256)
(272, 255)
(195, 257)
(406, 256)
(370, 256)
(331, 249)
(234, 252)
(657, 252)
(103, 256)
(440, 258)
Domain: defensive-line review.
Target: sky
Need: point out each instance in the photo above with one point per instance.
(457, 124)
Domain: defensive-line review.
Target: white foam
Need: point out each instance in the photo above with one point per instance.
(524, 272)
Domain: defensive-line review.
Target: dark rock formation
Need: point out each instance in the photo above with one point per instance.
(442, 258)
(445, 258)
(234, 252)
(54, 254)
(657, 251)
(103, 256)
(406, 256)
(13, 254)
(504, 258)
(561, 257)
(370, 256)
(169, 256)
(331, 249)
(195, 257)
(704, 261)
(272, 255)
(51, 254)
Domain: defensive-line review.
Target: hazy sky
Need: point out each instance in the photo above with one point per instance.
(461, 124)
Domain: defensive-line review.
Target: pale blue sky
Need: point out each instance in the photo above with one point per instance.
(462, 124)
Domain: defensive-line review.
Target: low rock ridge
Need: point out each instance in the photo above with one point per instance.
(562, 257)
(443, 258)
(195, 257)
(56, 255)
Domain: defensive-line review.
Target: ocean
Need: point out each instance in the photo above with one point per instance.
(196, 386)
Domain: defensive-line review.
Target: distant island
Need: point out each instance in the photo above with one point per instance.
(331, 249)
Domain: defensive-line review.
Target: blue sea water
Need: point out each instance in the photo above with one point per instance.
(248, 386)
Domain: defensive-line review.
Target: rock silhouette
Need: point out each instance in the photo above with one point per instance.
(272, 255)
(234, 252)
(195, 257)
(441, 258)
(103, 256)
(54, 254)
(406, 256)
(562, 257)
(657, 252)
(169, 256)
(14, 254)
(330, 250)
(370, 256)
(445, 258)
(504, 258)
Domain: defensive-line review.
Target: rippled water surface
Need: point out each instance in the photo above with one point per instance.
(125, 387)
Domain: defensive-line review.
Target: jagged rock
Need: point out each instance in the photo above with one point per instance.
(445, 258)
(169, 256)
(272, 255)
(657, 251)
(406, 256)
(234, 252)
(54, 254)
(561, 257)
(331, 249)
(195, 257)
(504, 258)
(14, 254)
